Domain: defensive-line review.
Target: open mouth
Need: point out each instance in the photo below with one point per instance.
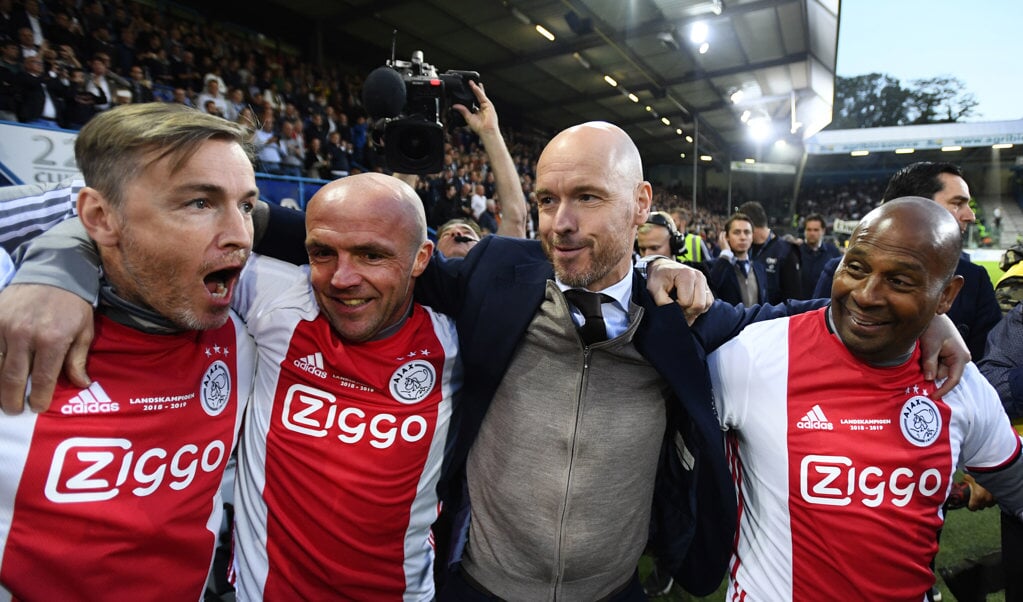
(219, 283)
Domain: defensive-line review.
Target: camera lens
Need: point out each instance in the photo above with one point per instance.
(415, 145)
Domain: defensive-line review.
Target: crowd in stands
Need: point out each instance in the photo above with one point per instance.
(64, 61)
(61, 62)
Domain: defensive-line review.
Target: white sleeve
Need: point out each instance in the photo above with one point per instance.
(262, 283)
(731, 377)
(991, 442)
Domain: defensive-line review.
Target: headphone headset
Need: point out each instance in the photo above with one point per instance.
(676, 240)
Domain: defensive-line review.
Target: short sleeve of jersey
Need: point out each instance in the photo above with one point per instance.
(260, 286)
(991, 441)
(734, 375)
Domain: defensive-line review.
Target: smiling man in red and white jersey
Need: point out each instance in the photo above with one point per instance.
(344, 438)
(113, 491)
(842, 454)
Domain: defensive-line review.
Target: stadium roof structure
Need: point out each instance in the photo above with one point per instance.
(935, 136)
(774, 59)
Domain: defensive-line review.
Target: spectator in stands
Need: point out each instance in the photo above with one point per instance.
(269, 149)
(181, 97)
(316, 128)
(41, 98)
(317, 161)
(8, 20)
(212, 93)
(124, 56)
(186, 73)
(293, 159)
(779, 258)
(337, 150)
(141, 88)
(814, 253)
(10, 67)
(26, 44)
(478, 201)
(447, 208)
(81, 103)
(854, 363)
(456, 237)
(65, 32)
(734, 278)
(100, 82)
(234, 103)
(489, 219)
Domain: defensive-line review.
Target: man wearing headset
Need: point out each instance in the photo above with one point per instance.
(659, 236)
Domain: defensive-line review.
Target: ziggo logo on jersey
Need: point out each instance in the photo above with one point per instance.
(310, 411)
(833, 481)
(97, 467)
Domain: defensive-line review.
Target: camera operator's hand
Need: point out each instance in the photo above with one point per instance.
(483, 121)
(484, 124)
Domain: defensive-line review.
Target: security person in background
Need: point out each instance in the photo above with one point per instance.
(659, 236)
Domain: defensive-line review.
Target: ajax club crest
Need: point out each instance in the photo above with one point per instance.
(920, 421)
(215, 390)
(412, 381)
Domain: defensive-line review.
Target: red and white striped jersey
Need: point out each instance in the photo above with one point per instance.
(841, 468)
(113, 493)
(342, 449)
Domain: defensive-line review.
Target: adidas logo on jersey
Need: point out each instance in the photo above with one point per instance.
(93, 400)
(815, 420)
(313, 364)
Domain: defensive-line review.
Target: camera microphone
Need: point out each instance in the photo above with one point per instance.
(383, 93)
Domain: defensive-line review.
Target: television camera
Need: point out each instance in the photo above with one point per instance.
(410, 103)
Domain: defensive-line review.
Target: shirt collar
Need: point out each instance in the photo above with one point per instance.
(620, 291)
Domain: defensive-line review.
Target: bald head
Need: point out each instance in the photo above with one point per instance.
(597, 141)
(372, 194)
(924, 228)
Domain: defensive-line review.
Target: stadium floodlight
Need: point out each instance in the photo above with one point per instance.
(905, 151)
(1001, 145)
(950, 149)
(760, 127)
(540, 29)
(698, 32)
(859, 153)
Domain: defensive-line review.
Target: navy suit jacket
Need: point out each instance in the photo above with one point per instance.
(724, 282)
(494, 294)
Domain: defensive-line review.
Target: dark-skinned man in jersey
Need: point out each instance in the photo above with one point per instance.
(837, 437)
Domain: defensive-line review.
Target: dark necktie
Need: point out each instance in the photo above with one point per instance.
(593, 330)
(743, 265)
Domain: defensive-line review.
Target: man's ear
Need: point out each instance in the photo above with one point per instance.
(98, 217)
(948, 294)
(644, 201)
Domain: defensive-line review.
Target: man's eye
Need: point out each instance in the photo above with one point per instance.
(199, 203)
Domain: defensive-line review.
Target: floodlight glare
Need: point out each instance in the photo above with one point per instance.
(698, 32)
